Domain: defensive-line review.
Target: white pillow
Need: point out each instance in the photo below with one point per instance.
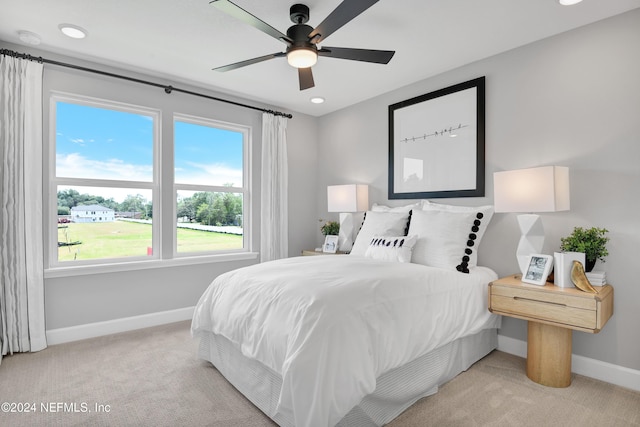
(427, 205)
(382, 208)
(483, 215)
(395, 248)
(446, 238)
(380, 224)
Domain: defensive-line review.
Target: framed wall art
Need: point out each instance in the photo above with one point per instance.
(436, 143)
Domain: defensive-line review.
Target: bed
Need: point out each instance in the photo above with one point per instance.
(354, 340)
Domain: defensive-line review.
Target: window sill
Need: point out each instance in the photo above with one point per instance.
(144, 265)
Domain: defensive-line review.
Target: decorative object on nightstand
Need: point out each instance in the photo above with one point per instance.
(347, 199)
(330, 228)
(541, 189)
(563, 262)
(592, 241)
(330, 244)
(579, 278)
(597, 278)
(538, 269)
(552, 313)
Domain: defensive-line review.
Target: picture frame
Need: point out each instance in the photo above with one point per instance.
(538, 269)
(437, 143)
(330, 245)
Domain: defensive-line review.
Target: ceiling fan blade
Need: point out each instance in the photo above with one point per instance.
(249, 62)
(345, 12)
(305, 76)
(241, 14)
(365, 55)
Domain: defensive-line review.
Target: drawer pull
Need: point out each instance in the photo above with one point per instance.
(539, 302)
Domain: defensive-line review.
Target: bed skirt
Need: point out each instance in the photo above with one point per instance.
(395, 390)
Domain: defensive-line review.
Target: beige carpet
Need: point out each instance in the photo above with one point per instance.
(151, 377)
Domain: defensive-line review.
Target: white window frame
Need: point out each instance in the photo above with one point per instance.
(160, 187)
(244, 190)
(55, 181)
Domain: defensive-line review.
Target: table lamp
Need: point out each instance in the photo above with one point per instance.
(347, 199)
(541, 189)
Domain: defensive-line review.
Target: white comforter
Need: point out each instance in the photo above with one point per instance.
(330, 325)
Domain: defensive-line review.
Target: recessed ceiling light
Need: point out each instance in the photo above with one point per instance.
(317, 100)
(29, 37)
(73, 31)
(568, 2)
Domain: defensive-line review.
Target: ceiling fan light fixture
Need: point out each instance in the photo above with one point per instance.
(302, 57)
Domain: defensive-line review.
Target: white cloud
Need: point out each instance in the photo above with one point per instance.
(75, 165)
(78, 141)
(209, 174)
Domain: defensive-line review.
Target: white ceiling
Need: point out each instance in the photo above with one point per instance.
(180, 41)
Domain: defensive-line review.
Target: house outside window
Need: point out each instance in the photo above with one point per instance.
(92, 213)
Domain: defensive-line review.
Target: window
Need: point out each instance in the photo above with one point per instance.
(210, 185)
(104, 181)
(106, 184)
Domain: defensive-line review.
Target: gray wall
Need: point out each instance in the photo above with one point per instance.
(571, 100)
(72, 300)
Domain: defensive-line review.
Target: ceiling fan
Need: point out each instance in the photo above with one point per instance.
(302, 41)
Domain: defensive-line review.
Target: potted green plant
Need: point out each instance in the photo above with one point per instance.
(330, 228)
(592, 241)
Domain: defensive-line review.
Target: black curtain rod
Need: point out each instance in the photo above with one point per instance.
(167, 88)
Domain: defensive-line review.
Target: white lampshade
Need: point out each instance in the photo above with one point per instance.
(302, 58)
(543, 189)
(348, 198)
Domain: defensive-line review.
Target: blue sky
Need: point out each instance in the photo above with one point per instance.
(99, 143)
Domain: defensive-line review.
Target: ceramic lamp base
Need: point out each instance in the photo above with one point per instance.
(531, 239)
(345, 236)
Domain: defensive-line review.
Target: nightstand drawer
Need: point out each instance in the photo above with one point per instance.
(534, 308)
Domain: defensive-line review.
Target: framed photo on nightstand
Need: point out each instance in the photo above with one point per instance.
(538, 269)
(330, 244)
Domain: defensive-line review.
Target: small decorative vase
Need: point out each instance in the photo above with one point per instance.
(589, 264)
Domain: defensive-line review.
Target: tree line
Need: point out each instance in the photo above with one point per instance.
(206, 208)
(211, 208)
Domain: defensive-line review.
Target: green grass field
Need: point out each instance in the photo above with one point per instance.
(119, 239)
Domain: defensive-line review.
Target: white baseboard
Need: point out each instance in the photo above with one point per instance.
(603, 371)
(92, 330)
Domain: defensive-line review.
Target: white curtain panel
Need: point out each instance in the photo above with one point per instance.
(22, 322)
(274, 235)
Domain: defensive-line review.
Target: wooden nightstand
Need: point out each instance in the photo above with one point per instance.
(552, 313)
(311, 252)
